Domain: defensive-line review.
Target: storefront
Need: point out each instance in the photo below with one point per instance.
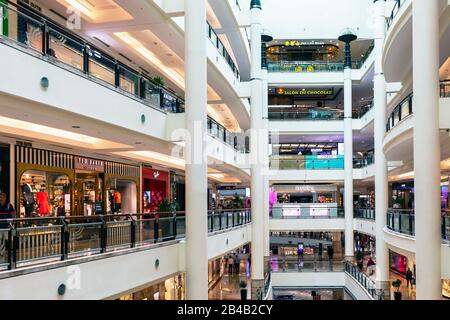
(178, 189)
(4, 169)
(81, 186)
(364, 243)
(402, 195)
(216, 268)
(155, 188)
(400, 264)
(171, 289)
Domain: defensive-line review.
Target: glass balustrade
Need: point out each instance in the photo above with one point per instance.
(34, 241)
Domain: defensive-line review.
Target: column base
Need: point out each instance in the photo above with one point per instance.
(257, 290)
(386, 287)
(349, 258)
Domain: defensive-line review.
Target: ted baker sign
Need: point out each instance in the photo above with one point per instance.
(89, 164)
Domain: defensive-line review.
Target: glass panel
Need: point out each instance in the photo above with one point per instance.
(128, 80)
(152, 93)
(65, 49)
(101, 67)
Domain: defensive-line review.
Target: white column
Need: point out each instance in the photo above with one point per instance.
(381, 174)
(265, 148)
(427, 148)
(348, 163)
(257, 271)
(196, 166)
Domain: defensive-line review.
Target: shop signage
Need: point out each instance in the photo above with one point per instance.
(89, 164)
(296, 43)
(156, 174)
(304, 92)
(31, 4)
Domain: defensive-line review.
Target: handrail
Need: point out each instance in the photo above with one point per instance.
(395, 10)
(312, 212)
(400, 112)
(364, 213)
(33, 241)
(302, 163)
(362, 279)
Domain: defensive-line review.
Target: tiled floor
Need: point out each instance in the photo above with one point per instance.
(228, 287)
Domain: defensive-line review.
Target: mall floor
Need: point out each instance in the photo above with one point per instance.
(227, 288)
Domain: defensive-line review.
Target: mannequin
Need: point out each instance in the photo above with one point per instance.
(28, 200)
(42, 201)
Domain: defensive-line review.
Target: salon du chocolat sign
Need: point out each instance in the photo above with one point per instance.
(89, 164)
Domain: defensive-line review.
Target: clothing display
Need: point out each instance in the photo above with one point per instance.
(28, 200)
(42, 201)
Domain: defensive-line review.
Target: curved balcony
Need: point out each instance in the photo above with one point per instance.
(403, 221)
(36, 241)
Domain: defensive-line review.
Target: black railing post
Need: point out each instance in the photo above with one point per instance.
(220, 220)
(13, 244)
(45, 38)
(86, 52)
(133, 232)
(64, 241)
(174, 226)
(103, 236)
(116, 74)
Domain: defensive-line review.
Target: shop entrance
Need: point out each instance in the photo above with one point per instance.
(88, 193)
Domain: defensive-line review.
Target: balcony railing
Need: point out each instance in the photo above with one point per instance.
(364, 213)
(304, 264)
(292, 113)
(365, 161)
(403, 110)
(317, 66)
(403, 221)
(362, 279)
(212, 35)
(395, 10)
(306, 163)
(235, 140)
(34, 241)
(305, 212)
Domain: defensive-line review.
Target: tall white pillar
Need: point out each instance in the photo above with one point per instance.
(257, 266)
(265, 148)
(196, 166)
(381, 174)
(348, 163)
(427, 148)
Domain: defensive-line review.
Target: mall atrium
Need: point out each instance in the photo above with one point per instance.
(224, 149)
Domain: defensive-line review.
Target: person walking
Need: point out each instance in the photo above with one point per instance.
(6, 212)
(330, 252)
(237, 264)
(409, 278)
(230, 265)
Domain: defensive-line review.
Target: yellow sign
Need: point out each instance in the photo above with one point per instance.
(304, 92)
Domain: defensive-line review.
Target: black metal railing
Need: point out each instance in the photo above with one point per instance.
(361, 278)
(33, 241)
(403, 110)
(305, 264)
(212, 35)
(364, 213)
(239, 141)
(403, 221)
(365, 161)
(395, 10)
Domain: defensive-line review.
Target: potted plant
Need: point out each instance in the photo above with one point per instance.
(159, 81)
(397, 294)
(243, 286)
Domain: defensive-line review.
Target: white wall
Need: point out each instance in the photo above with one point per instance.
(308, 279)
(316, 19)
(364, 226)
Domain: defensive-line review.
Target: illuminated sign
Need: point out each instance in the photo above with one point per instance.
(296, 43)
(89, 164)
(304, 92)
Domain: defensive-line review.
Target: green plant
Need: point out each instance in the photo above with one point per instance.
(168, 206)
(243, 284)
(238, 202)
(159, 81)
(396, 284)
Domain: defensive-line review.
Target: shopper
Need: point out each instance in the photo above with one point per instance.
(230, 265)
(330, 252)
(237, 264)
(409, 278)
(370, 266)
(6, 212)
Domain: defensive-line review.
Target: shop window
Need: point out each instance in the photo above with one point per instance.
(121, 197)
(44, 194)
